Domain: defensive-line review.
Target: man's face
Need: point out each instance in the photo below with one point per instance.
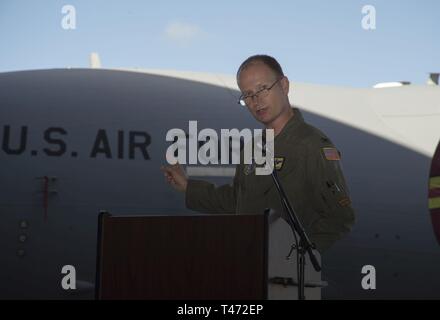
(264, 109)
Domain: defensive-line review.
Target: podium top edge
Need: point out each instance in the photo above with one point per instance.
(183, 215)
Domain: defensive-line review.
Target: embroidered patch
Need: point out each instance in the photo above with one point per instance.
(278, 162)
(331, 154)
(249, 168)
(344, 202)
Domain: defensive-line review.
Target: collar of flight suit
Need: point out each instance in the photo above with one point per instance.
(292, 125)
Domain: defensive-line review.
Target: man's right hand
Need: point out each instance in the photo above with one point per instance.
(175, 175)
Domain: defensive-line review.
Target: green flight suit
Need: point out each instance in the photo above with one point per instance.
(308, 167)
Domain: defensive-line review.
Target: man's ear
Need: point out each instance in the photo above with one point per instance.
(285, 84)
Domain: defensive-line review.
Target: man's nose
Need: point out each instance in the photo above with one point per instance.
(254, 100)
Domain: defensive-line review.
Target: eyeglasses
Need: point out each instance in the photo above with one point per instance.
(262, 93)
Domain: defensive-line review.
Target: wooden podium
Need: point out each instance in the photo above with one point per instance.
(205, 257)
(182, 257)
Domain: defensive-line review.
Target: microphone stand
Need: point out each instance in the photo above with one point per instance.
(304, 246)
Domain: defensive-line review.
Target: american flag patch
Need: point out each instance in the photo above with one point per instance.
(344, 202)
(278, 163)
(331, 154)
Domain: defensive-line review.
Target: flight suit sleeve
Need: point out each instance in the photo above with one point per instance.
(331, 200)
(206, 197)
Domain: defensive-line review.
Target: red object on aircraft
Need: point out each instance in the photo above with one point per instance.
(434, 192)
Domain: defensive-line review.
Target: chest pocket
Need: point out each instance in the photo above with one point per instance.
(289, 168)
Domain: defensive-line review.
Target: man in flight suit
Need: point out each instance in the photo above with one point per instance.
(307, 164)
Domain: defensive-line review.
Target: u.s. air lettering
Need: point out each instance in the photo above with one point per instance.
(57, 141)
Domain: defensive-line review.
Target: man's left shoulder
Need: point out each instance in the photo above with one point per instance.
(312, 137)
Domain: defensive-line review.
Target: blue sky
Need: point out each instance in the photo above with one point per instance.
(315, 41)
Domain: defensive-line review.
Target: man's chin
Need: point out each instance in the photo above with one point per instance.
(263, 120)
